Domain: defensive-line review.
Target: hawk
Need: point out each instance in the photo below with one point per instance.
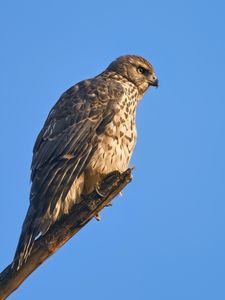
(89, 132)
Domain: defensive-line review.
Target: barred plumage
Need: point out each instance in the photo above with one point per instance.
(89, 132)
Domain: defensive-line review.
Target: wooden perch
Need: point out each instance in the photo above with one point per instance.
(63, 230)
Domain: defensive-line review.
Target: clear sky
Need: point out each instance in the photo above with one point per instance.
(165, 238)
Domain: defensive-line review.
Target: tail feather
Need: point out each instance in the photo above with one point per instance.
(23, 251)
(26, 240)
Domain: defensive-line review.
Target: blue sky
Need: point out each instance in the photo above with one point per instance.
(164, 239)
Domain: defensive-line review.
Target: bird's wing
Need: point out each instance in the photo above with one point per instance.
(67, 142)
(64, 147)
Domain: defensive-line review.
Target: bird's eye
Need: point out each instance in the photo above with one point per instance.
(141, 70)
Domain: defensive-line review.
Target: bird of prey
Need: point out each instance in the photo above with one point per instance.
(89, 132)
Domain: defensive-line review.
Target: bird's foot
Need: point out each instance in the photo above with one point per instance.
(109, 204)
(97, 217)
(97, 189)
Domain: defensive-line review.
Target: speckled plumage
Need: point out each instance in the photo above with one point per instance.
(90, 132)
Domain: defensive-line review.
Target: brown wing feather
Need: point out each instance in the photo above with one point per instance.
(72, 128)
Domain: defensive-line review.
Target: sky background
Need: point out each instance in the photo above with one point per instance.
(165, 238)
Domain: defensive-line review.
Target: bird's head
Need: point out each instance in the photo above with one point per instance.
(135, 69)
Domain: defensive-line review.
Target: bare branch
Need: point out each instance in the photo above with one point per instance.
(63, 230)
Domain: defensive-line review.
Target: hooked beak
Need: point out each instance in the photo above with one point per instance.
(154, 82)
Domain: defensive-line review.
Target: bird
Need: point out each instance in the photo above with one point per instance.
(89, 132)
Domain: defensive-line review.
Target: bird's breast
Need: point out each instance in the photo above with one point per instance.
(117, 142)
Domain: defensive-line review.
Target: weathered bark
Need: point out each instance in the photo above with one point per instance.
(63, 230)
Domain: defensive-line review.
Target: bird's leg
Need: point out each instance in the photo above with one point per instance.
(103, 195)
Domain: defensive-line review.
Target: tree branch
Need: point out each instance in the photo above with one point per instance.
(63, 230)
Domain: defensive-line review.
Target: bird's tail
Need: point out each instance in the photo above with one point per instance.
(26, 241)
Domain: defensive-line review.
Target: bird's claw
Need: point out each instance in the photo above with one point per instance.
(98, 191)
(97, 217)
